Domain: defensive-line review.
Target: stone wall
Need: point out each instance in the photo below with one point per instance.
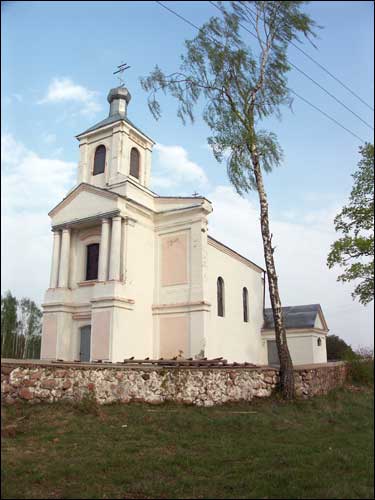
(40, 381)
(319, 379)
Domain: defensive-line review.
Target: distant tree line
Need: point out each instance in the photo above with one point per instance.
(338, 349)
(21, 328)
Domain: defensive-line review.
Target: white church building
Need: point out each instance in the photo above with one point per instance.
(137, 274)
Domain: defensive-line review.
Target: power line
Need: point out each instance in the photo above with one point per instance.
(327, 115)
(307, 76)
(332, 76)
(297, 95)
(326, 70)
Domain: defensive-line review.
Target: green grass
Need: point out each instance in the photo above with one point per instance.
(321, 448)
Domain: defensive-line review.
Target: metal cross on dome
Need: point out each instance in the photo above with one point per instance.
(121, 68)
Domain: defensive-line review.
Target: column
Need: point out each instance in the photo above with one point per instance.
(64, 258)
(103, 251)
(55, 259)
(115, 256)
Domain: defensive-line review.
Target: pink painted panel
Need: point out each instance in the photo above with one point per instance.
(100, 335)
(174, 260)
(49, 337)
(174, 336)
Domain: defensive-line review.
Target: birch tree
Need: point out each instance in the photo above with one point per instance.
(239, 86)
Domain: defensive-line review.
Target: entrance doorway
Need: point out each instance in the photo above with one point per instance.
(85, 343)
(273, 355)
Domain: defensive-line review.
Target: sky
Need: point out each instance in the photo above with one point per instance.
(58, 60)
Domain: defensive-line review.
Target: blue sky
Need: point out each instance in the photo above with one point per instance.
(73, 47)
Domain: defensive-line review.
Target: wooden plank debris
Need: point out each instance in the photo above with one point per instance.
(174, 362)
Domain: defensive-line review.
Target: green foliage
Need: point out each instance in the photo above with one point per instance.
(8, 325)
(238, 84)
(354, 251)
(21, 328)
(337, 348)
(361, 368)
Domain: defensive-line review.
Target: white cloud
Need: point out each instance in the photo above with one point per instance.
(65, 90)
(173, 168)
(300, 256)
(30, 182)
(31, 187)
(26, 247)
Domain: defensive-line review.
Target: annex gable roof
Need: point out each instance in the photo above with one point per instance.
(298, 317)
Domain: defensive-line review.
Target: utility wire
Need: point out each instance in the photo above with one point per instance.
(307, 76)
(332, 76)
(297, 95)
(327, 115)
(326, 70)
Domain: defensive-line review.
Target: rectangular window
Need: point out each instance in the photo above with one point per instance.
(92, 261)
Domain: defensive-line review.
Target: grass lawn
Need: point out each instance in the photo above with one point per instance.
(321, 448)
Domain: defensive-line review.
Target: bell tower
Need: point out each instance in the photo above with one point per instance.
(115, 151)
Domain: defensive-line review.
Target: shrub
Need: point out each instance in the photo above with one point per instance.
(361, 367)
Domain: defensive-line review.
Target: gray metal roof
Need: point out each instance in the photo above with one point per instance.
(294, 316)
(112, 119)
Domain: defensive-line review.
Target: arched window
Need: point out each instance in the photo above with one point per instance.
(220, 296)
(245, 302)
(99, 160)
(92, 261)
(134, 163)
(319, 342)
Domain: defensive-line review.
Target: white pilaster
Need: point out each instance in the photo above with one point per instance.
(55, 259)
(103, 251)
(64, 258)
(115, 258)
(83, 167)
(147, 168)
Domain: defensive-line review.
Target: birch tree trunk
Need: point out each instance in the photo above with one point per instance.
(286, 365)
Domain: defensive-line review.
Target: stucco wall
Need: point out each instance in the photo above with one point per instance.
(36, 382)
(180, 277)
(303, 346)
(135, 333)
(319, 352)
(301, 349)
(230, 336)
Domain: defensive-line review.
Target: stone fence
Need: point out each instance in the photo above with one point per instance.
(37, 381)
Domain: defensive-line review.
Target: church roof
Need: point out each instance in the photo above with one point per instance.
(113, 119)
(296, 316)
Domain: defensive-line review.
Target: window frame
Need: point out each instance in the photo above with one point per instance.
(220, 296)
(245, 304)
(101, 146)
(139, 163)
(87, 262)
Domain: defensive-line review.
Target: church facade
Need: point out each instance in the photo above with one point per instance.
(137, 274)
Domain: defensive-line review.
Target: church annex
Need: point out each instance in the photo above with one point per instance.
(136, 274)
